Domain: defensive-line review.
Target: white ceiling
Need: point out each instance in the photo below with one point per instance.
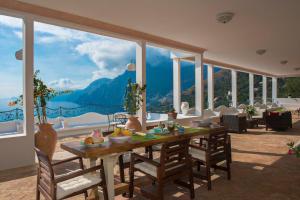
(269, 24)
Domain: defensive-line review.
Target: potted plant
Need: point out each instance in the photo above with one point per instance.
(250, 110)
(133, 101)
(46, 136)
(172, 114)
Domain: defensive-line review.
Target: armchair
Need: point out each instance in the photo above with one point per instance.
(173, 164)
(64, 186)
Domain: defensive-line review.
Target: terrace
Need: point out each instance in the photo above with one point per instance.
(229, 73)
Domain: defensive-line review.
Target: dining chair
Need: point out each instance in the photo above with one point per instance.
(211, 152)
(124, 159)
(174, 163)
(55, 187)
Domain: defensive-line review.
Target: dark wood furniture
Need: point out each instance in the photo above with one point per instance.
(54, 187)
(174, 163)
(252, 123)
(211, 151)
(279, 120)
(234, 123)
(109, 152)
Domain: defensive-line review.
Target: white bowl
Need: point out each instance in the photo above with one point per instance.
(120, 139)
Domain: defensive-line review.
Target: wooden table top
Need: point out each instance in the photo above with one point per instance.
(109, 148)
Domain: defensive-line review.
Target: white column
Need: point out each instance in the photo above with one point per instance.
(176, 84)
(141, 78)
(199, 86)
(251, 89)
(264, 93)
(234, 88)
(274, 89)
(210, 86)
(28, 105)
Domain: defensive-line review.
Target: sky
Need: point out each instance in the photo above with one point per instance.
(66, 58)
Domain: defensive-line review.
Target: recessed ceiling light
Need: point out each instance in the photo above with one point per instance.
(261, 51)
(283, 62)
(297, 68)
(225, 17)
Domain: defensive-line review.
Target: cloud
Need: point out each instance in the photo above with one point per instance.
(19, 34)
(64, 84)
(110, 55)
(11, 21)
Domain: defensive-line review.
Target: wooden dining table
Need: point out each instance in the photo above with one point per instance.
(109, 151)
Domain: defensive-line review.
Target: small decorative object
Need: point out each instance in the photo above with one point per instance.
(185, 108)
(172, 114)
(250, 110)
(171, 125)
(120, 135)
(294, 149)
(132, 102)
(97, 136)
(180, 129)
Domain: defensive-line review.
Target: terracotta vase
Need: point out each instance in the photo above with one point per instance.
(46, 139)
(133, 123)
(172, 115)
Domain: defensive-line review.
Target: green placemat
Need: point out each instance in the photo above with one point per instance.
(188, 130)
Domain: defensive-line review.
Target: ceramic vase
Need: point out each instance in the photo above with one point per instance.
(185, 108)
(46, 139)
(133, 123)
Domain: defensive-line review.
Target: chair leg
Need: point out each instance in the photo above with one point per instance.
(86, 195)
(121, 169)
(208, 175)
(103, 185)
(198, 166)
(160, 190)
(38, 194)
(191, 180)
(131, 180)
(228, 169)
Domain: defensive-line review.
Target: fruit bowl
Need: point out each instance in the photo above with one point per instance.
(119, 139)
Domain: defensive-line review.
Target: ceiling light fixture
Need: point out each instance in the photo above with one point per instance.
(297, 68)
(261, 51)
(283, 62)
(225, 17)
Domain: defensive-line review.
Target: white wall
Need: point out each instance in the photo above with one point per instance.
(16, 151)
(289, 103)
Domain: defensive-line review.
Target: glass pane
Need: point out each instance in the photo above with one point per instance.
(89, 72)
(159, 78)
(242, 88)
(258, 89)
(11, 76)
(222, 83)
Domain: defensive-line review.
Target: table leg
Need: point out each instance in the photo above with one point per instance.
(94, 194)
(109, 162)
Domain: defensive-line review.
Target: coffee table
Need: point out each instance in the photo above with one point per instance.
(252, 123)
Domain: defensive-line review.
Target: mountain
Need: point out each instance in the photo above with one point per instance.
(110, 92)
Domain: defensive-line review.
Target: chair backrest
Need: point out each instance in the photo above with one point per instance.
(45, 173)
(217, 145)
(174, 157)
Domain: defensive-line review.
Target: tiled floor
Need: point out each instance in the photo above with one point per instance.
(261, 169)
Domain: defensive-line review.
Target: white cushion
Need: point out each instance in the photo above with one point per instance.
(151, 169)
(68, 187)
(198, 154)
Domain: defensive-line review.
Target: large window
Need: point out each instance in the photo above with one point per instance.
(242, 88)
(11, 75)
(188, 83)
(258, 89)
(269, 89)
(289, 87)
(159, 78)
(222, 83)
(89, 71)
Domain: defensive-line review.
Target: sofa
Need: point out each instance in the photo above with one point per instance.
(278, 120)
